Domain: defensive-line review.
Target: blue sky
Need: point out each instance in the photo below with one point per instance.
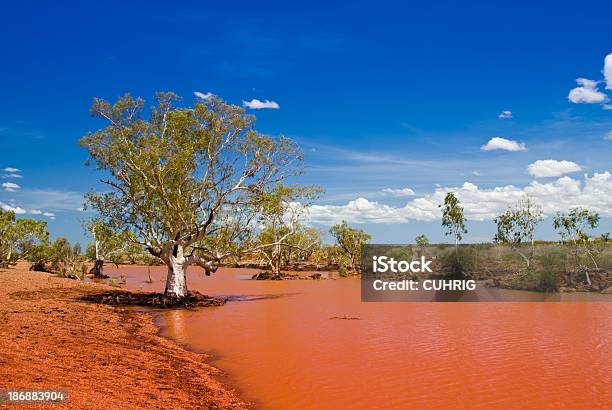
(392, 102)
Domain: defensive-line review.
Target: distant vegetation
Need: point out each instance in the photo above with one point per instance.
(200, 186)
(19, 237)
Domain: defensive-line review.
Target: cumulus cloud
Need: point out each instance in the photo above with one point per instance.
(479, 204)
(505, 114)
(10, 186)
(552, 168)
(204, 96)
(11, 169)
(608, 136)
(607, 71)
(399, 192)
(496, 143)
(10, 176)
(15, 209)
(586, 93)
(256, 104)
(22, 211)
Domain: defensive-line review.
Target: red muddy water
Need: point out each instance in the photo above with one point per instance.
(314, 344)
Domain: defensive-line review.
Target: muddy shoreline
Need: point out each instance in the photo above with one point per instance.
(106, 357)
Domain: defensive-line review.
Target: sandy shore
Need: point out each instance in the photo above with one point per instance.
(105, 357)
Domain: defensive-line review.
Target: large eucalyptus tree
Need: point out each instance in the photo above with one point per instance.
(190, 183)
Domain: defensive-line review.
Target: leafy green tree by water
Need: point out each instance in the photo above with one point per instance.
(281, 226)
(516, 227)
(573, 228)
(189, 183)
(108, 245)
(453, 219)
(18, 236)
(350, 240)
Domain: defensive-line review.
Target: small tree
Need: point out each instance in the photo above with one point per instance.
(421, 240)
(453, 219)
(189, 183)
(302, 244)
(516, 227)
(422, 243)
(573, 229)
(64, 258)
(18, 236)
(281, 226)
(350, 240)
(108, 244)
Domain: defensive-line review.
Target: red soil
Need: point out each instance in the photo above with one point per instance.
(105, 357)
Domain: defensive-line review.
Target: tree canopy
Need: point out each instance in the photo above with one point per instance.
(18, 236)
(350, 241)
(189, 182)
(516, 227)
(452, 217)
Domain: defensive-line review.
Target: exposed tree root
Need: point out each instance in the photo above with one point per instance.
(157, 300)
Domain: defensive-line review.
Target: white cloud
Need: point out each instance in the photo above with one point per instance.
(608, 136)
(479, 204)
(256, 104)
(10, 186)
(48, 199)
(552, 168)
(11, 169)
(504, 144)
(399, 192)
(22, 211)
(11, 176)
(607, 71)
(15, 209)
(204, 96)
(587, 93)
(359, 210)
(505, 114)
(476, 173)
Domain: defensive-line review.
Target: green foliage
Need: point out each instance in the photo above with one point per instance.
(516, 227)
(59, 257)
(19, 236)
(350, 240)
(551, 266)
(545, 281)
(189, 183)
(283, 240)
(421, 240)
(452, 217)
(343, 270)
(109, 244)
(400, 253)
(458, 264)
(573, 228)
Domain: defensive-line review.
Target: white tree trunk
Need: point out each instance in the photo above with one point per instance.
(176, 283)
